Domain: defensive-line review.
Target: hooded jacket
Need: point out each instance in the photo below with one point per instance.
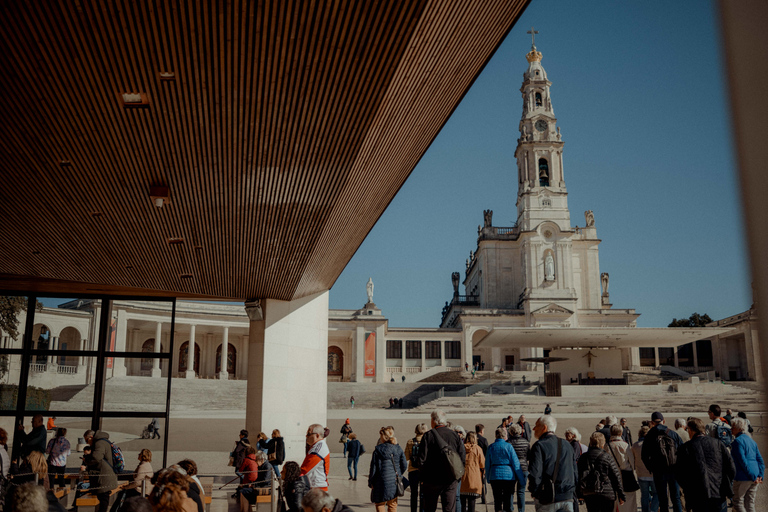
(382, 478)
(101, 465)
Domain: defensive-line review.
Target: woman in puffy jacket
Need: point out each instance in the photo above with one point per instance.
(472, 480)
(502, 468)
(294, 486)
(599, 477)
(275, 448)
(521, 446)
(388, 461)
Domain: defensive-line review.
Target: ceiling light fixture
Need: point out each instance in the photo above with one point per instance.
(134, 99)
(175, 241)
(185, 276)
(159, 195)
(167, 76)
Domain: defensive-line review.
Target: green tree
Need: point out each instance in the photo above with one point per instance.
(695, 320)
(10, 308)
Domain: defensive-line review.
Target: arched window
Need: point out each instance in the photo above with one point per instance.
(543, 172)
(149, 347)
(335, 361)
(183, 356)
(538, 99)
(231, 359)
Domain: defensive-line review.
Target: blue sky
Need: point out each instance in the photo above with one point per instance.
(639, 92)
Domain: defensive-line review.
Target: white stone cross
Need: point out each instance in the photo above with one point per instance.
(533, 36)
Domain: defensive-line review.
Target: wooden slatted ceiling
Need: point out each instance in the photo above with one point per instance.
(287, 131)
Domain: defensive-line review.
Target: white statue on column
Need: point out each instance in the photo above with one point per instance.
(549, 267)
(369, 290)
(604, 282)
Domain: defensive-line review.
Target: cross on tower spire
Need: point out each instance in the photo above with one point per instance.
(533, 36)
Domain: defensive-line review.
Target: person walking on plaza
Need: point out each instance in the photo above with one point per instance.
(527, 434)
(625, 460)
(155, 425)
(482, 442)
(387, 465)
(58, 450)
(317, 463)
(718, 427)
(238, 456)
(346, 429)
(543, 462)
(599, 477)
(649, 499)
(572, 436)
(437, 476)
(275, 450)
(412, 453)
(502, 467)
(100, 464)
(472, 480)
(626, 435)
(352, 401)
(705, 470)
(750, 467)
(354, 450)
(659, 450)
(520, 445)
(547, 409)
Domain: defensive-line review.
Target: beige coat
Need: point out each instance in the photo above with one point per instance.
(143, 472)
(472, 481)
(409, 450)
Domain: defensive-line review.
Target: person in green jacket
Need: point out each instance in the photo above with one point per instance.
(100, 467)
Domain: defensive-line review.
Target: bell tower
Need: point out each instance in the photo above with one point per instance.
(541, 192)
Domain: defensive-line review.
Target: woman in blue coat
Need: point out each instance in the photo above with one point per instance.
(502, 468)
(388, 462)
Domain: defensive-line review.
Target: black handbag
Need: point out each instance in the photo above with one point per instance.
(451, 457)
(628, 480)
(400, 490)
(546, 491)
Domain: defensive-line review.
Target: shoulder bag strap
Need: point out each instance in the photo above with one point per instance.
(610, 449)
(557, 462)
(394, 466)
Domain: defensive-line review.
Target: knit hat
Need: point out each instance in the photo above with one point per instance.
(657, 416)
(347, 422)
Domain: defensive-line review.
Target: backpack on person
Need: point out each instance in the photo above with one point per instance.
(118, 461)
(666, 456)
(414, 452)
(724, 434)
(453, 459)
(591, 483)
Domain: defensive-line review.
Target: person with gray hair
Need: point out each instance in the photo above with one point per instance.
(609, 421)
(680, 428)
(520, 445)
(573, 437)
(542, 457)
(318, 500)
(750, 467)
(317, 462)
(27, 497)
(437, 477)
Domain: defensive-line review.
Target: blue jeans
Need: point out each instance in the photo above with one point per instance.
(458, 497)
(663, 483)
(350, 461)
(649, 498)
(520, 485)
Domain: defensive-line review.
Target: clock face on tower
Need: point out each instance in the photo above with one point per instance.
(541, 125)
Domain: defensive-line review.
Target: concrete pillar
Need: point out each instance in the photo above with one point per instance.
(442, 353)
(677, 363)
(190, 373)
(243, 359)
(466, 346)
(288, 350)
(656, 356)
(223, 374)
(634, 358)
(156, 372)
(695, 358)
(381, 353)
(423, 355)
(496, 362)
(51, 360)
(358, 355)
(403, 346)
(121, 338)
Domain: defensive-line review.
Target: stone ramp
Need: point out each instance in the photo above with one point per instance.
(376, 395)
(136, 393)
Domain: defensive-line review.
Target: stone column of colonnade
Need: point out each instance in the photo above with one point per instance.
(156, 371)
(287, 368)
(190, 373)
(223, 373)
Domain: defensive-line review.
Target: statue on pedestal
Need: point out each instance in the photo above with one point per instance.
(549, 267)
(369, 290)
(590, 218)
(487, 218)
(604, 282)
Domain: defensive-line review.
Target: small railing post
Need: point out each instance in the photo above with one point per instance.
(144, 488)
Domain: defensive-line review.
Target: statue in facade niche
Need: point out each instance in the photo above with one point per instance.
(524, 136)
(487, 218)
(455, 277)
(590, 218)
(549, 267)
(369, 290)
(559, 136)
(604, 282)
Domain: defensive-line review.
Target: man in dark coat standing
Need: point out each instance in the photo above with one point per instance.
(705, 470)
(542, 460)
(663, 477)
(482, 442)
(436, 476)
(626, 436)
(35, 441)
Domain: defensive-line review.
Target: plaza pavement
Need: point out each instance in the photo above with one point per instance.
(208, 437)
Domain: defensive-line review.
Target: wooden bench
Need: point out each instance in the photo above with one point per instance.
(90, 500)
(61, 492)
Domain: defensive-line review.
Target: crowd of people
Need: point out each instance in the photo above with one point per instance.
(697, 466)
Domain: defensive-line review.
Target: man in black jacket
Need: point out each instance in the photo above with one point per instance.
(437, 478)
(705, 470)
(482, 442)
(542, 460)
(663, 476)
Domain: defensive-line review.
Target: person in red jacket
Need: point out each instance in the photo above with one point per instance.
(249, 468)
